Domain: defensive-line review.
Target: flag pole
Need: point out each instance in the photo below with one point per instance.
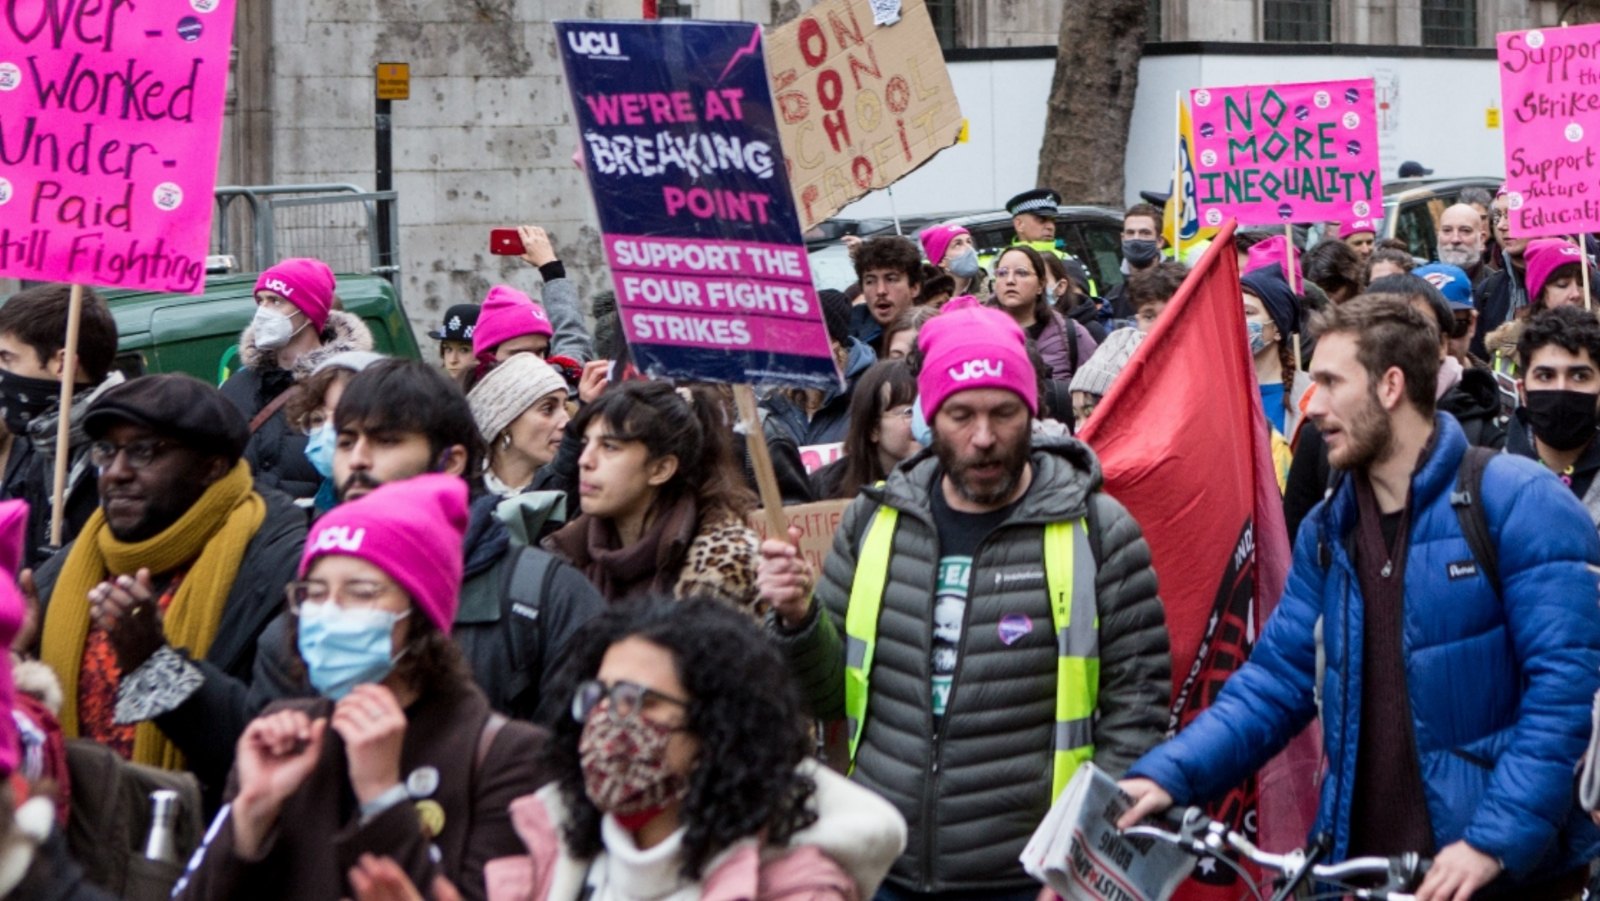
(1177, 179)
(69, 375)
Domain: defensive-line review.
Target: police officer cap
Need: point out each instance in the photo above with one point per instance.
(1039, 200)
(176, 406)
(458, 323)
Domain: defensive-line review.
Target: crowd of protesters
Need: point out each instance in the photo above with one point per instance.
(498, 625)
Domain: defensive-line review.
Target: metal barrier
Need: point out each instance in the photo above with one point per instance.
(350, 229)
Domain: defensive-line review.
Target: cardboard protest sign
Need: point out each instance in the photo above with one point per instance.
(1548, 90)
(1270, 154)
(684, 162)
(861, 105)
(817, 522)
(815, 456)
(110, 120)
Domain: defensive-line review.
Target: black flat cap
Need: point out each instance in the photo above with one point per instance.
(177, 406)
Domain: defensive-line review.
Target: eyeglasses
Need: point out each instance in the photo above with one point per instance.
(1019, 272)
(626, 698)
(355, 595)
(139, 453)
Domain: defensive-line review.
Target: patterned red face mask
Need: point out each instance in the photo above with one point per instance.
(625, 765)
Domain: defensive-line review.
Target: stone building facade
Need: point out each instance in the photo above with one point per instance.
(486, 138)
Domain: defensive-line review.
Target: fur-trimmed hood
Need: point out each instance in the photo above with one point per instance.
(344, 331)
(1503, 340)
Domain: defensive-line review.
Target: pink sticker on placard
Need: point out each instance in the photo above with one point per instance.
(110, 122)
(1274, 153)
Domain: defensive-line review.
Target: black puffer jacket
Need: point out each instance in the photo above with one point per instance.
(277, 450)
(973, 793)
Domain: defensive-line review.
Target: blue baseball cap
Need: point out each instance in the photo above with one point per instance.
(1452, 282)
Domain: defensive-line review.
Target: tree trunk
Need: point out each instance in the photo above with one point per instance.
(1091, 99)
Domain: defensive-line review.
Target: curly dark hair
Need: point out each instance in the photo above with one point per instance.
(743, 708)
(1572, 329)
(890, 252)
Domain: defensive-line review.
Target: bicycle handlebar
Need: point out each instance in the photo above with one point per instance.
(1198, 834)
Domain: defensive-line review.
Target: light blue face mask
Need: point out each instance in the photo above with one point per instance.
(345, 648)
(965, 265)
(1258, 337)
(319, 449)
(919, 425)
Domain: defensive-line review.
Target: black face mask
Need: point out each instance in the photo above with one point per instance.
(1564, 420)
(1140, 254)
(23, 400)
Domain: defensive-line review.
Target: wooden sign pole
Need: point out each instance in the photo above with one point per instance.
(1291, 269)
(761, 461)
(69, 376)
(1583, 267)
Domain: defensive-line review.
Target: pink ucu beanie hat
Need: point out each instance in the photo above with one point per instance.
(936, 240)
(973, 347)
(304, 282)
(1544, 257)
(507, 313)
(13, 527)
(412, 530)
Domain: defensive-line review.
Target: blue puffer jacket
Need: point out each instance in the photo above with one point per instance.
(1500, 689)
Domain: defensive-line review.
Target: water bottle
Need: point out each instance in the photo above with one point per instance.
(161, 844)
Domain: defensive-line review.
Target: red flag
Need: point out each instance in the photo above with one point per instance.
(1183, 442)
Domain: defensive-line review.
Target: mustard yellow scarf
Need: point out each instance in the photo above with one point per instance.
(213, 534)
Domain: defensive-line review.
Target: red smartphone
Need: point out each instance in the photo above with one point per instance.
(506, 242)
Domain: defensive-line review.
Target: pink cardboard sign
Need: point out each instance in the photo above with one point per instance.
(1275, 153)
(1548, 85)
(110, 119)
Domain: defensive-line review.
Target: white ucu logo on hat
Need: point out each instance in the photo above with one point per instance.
(339, 538)
(977, 369)
(277, 286)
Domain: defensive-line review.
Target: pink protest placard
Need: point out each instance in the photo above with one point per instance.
(110, 118)
(1275, 153)
(1550, 90)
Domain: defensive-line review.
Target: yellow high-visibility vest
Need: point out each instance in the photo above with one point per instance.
(1069, 572)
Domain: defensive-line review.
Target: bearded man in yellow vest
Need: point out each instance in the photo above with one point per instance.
(184, 560)
(986, 621)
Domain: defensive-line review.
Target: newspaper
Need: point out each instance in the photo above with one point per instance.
(1078, 852)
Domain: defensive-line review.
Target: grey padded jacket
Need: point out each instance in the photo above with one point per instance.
(973, 791)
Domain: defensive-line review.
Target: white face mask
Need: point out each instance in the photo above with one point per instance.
(272, 329)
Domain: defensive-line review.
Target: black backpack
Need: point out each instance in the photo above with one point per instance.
(527, 582)
(1467, 501)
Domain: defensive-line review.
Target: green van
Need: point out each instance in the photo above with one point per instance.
(199, 333)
